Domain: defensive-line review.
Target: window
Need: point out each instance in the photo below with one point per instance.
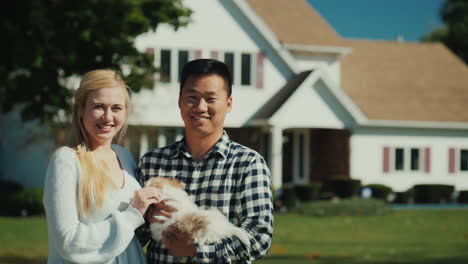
(415, 159)
(399, 159)
(183, 58)
(464, 160)
(246, 69)
(165, 66)
(407, 159)
(229, 61)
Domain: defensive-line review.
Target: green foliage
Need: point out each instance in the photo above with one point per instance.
(287, 199)
(346, 207)
(433, 193)
(380, 191)
(24, 202)
(343, 188)
(307, 192)
(45, 42)
(463, 197)
(404, 197)
(454, 35)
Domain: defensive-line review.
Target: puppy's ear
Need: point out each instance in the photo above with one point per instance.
(176, 183)
(154, 182)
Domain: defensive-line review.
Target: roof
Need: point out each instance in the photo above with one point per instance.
(387, 80)
(406, 81)
(295, 22)
(283, 94)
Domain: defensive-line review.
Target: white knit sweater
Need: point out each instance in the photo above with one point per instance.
(107, 236)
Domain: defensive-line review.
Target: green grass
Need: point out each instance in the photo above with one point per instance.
(23, 240)
(401, 237)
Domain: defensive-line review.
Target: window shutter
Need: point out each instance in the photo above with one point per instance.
(214, 54)
(259, 69)
(386, 159)
(451, 165)
(197, 54)
(427, 160)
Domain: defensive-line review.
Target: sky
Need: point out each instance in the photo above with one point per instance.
(381, 19)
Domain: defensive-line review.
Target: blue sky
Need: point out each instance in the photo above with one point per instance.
(381, 19)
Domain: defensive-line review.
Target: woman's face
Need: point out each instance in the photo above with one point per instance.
(104, 115)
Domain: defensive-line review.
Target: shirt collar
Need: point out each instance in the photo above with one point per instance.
(221, 148)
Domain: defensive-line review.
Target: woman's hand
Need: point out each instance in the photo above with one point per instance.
(145, 197)
(158, 210)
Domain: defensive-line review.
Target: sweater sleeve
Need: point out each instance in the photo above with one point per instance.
(254, 206)
(74, 239)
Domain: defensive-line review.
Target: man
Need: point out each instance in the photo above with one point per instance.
(217, 172)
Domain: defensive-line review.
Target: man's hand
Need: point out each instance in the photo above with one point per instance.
(159, 209)
(179, 243)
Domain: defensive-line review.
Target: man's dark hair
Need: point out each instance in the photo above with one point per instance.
(201, 67)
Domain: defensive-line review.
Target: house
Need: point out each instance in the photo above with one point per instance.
(316, 105)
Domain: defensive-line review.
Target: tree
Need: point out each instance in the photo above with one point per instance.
(44, 42)
(454, 13)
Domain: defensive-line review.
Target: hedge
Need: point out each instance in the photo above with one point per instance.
(433, 193)
(343, 188)
(379, 191)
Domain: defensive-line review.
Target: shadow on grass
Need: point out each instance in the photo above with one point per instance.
(22, 260)
(354, 260)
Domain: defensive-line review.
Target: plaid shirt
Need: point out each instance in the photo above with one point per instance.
(233, 178)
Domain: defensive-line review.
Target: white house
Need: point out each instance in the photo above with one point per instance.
(316, 105)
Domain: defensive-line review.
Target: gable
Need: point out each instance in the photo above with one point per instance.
(307, 101)
(387, 80)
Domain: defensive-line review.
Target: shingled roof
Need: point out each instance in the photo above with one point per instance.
(387, 80)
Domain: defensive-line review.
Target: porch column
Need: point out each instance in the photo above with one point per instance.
(143, 143)
(277, 156)
(179, 134)
(161, 138)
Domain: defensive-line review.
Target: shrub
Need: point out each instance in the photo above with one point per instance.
(307, 192)
(343, 188)
(433, 193)
(287, 197)
(29, 202)
(7, 188)
(463, 197)
(404, 197)
(379, 191)
(347, 207)
(18, 201)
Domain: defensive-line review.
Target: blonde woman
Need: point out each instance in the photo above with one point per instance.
(93, 201)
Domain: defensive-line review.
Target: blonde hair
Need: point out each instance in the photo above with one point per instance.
(94, 178)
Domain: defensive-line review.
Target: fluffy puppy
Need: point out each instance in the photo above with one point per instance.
(204, 226)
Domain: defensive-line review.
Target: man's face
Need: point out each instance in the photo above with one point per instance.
(203, 105)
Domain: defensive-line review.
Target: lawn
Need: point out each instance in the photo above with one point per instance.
(403, 237)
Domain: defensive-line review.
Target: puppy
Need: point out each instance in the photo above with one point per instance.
(204, 226)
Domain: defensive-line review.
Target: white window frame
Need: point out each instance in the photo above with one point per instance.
(237, 77)
(457, 160)
(407, 159)
(174, 78)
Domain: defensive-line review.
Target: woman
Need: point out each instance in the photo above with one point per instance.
(92, 200)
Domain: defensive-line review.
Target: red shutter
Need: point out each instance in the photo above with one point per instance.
(197, 54)
(214, 54)
(259, 70)
(386, 159)
(427, 160)
(451, 165)
(149, 50)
